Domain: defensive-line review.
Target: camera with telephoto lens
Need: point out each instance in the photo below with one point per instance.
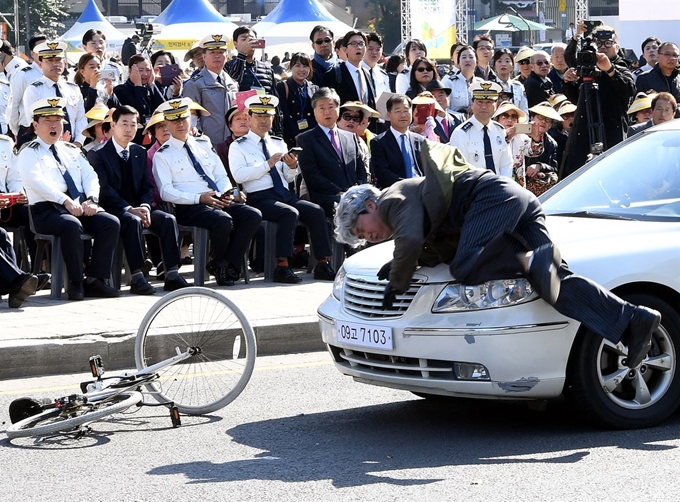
(586, 58)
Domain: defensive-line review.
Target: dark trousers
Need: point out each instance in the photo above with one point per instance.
(9, 270)
(285, 212)
(231, 229)
(502, 219)
(104, 228)
(17, 216)
(163, 225)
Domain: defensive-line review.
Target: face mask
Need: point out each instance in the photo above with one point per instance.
(194, 121)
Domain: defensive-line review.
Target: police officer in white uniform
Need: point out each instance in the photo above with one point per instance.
(260, 162)
(480, 139)
(53, 60)
(213, 88)
(459, 100)
(18, 83)
(63, 191)
(190, 174)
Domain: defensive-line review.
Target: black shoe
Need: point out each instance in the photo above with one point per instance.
(141, 287)
(75, 291)
(286, 275)
(212, 268)
(99, 289)
(233, 273)
(324, 272)
(186, 260)
(178, 282)
(160, 272)
(222, 277)
(146, 268)
(43, 280)
(543, 272)
(23, 288)
(300, 260)
(643, 324)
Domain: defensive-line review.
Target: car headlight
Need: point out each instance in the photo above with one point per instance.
(492, 294)
(339, 283)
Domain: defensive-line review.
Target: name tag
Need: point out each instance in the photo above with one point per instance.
(302, 124)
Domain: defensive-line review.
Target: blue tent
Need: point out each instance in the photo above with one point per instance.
(189, 11)
(92, 18)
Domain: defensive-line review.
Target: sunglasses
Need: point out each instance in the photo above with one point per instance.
(348, 117)
(424, 69)
(523, 61)
(541, 63)
(513, 116)
(321, 41)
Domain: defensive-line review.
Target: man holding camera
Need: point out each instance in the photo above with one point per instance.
(595, 59)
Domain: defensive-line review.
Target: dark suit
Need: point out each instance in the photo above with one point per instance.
(537, 90)
(142, 98)
(119, 191)
(452, 122)
(636, 128)
(326, 174)
(387, 162)
(347, 90)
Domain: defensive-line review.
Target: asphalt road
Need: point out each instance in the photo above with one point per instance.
(301, 431)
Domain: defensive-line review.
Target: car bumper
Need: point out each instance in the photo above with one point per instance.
(524, 349)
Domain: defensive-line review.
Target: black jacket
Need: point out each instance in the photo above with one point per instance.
(290, 104)
(655, 79)
(615, 94)
(537, 90)
(144, 99)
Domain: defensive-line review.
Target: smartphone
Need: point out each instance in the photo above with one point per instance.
(169, 72)
(591, 24)
(295, 151)
(108, 75)
(523, 128)
(259, 43)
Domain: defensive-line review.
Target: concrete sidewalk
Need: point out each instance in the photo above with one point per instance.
(53, 337)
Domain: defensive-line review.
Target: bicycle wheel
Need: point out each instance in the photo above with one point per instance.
(221, 338)
(66, 419)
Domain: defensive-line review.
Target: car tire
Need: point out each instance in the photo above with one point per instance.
(608, 394)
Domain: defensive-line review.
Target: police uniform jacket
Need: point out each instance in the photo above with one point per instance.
(249, 166)
(460, 98)
(10, 180)
(177, 179)
(519, 95)
(44, 88)
(639, 71)
(469, 139)
(216, 97)
(18, 84)
(42, 175)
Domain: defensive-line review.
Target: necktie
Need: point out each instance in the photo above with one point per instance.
(273, 172)
(488, 153)
(406, 154)
(445, 126)
(218, 80)
(67, 125)
(334, 142)
(124, 155)
(73, 191)
(199, 169)
(362, 86)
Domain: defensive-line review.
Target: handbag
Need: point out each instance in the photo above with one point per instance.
(538, 186)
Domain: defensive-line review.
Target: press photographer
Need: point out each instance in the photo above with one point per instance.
(601, 84)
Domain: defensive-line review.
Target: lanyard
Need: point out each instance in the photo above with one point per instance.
(256, 80)
(302, 97)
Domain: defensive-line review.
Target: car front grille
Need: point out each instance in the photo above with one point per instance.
(394, 365)
(363, 298)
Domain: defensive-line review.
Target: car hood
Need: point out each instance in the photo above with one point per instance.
(609, 251)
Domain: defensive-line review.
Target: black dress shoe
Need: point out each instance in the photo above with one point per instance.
(286, 275)
(643, 324)
(23, 288)
(233, 272)
(99, 289)
(543, 272)
(160, 272)
(300, 260)
(43, 280)
(222, 277)
(178, 282)
(186, 260)
(75, 291)
(146, 268)
(212, 268)
(141, 287)
(324, 272)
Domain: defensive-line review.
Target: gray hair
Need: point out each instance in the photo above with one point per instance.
(325, 93)
(352, 204)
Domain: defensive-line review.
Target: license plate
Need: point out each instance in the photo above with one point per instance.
(364, 335)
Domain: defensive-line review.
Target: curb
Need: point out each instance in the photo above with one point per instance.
(32, 358)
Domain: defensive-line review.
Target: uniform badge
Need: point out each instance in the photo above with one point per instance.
(476, 157)
(498, 140)
(4, 156)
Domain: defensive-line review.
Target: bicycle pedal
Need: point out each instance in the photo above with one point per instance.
(96, 366)
(174, 416)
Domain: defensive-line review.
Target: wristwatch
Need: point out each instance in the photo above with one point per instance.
(93, 199)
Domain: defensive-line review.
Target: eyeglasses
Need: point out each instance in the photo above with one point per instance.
(541, 63)
(348, 117)
(670, 55)
(424, 69)
(524, 61)
(605, 43)
(321, 41)
(356, 44)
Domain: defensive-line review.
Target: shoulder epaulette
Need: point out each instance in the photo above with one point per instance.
(37, 83)
(33, 144)
(276, 137)
(498, 124)
(201, 137)
(5, 137)
(637, 71)
(27, 68)
(70, 144)
(72, 83)
(240, 139)
(164, 147)
(466, 127)
(197, 76)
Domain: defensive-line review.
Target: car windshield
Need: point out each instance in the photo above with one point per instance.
(639, 180)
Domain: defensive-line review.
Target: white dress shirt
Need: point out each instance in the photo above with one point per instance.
(460, 97)
(177, 179)
(381, 80)
(358, 78)
(469, 139)
(42, 175)
(10, 180)
(250, 168)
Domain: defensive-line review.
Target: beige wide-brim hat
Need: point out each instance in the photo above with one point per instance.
(566, 108)
(365, 109)
(546, 110)
(524, 53)
(155, 119)
(642, 102)
(556, 100)
(507, 106)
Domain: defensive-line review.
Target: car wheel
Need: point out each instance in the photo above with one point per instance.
(609, 393)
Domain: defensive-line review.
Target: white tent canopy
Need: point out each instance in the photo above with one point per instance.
(287, 27)
(92, 19)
